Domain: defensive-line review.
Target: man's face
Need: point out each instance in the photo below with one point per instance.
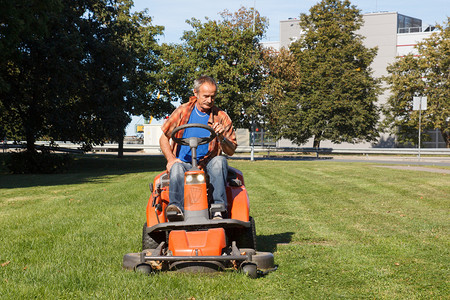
(205, 97)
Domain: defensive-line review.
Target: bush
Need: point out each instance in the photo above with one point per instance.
(44, 162)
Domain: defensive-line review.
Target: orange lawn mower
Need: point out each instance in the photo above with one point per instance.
(198, 243)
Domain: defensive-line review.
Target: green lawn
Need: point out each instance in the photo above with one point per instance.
(337, 230)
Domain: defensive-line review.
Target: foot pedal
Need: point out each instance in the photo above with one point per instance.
(217, 209)
(174, 216)
(174, 213)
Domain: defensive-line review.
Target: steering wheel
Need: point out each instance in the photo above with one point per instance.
(193, 140)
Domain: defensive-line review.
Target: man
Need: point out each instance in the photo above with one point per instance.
(199, 109)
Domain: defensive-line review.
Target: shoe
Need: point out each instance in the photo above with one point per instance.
(217, 216)
(174, 213)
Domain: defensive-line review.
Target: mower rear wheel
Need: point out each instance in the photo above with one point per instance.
(147, 241)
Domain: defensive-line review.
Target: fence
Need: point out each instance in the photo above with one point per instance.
(154, 149)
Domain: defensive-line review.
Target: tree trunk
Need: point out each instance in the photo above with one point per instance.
(317, 139)
(120, 148)
(316, 143)
(31, 147)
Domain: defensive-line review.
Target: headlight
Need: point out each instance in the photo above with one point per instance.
(189, 178)
(201, 178)
(195, 178)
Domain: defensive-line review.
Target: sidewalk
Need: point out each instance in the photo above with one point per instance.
(393, 158)
(442, 161)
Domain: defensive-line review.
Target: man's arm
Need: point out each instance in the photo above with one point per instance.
(227, 146)
(164, 144)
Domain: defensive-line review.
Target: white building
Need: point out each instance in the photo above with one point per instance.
(394, 34)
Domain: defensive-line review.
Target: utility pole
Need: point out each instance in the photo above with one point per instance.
(252, 136)
(252, 140)
(420, 103)
(254, 15)
(420, 125)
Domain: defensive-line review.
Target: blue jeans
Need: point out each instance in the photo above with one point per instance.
(217, 170)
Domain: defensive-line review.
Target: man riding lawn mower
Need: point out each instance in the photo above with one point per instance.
(199, 221)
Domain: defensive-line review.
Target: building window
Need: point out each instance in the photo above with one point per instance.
(407, 24)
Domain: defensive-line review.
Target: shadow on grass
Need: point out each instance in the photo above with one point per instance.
(85, 168)
(268, 243)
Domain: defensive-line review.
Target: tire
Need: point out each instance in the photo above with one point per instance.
(247, 237)
(147, 241)
(250, 270)
(144, 269)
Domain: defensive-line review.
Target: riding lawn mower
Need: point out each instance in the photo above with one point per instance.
(197, 242)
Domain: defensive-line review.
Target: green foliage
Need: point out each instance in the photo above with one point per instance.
(24, 70)
(21, 19)
(426, 74)
(227, 50)
(43, 162)
(77, 71)
(336, 97)
(280, 91)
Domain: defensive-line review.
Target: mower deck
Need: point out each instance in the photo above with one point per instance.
(248, 261)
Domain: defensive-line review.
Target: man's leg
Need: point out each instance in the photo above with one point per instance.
(217, 169)
(176, 186)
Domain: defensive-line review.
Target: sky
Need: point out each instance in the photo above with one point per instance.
(172, 14)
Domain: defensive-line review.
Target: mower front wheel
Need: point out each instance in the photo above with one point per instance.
(250, 269)
(144, 268)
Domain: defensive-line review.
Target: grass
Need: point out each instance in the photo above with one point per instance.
(337, 230)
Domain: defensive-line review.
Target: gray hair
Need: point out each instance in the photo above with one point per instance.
(203, 79)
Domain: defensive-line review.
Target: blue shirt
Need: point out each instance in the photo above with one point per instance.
(184, 153)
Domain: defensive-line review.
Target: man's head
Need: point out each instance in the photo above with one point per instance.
(205, 89)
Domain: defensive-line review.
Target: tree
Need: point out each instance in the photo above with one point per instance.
(80, 73)
(279, 91)
(228, 50)
(39, 68)
(20, 19)
(426, 74)
(336, 97)
(124, 59)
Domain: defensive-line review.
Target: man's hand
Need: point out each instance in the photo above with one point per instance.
(166, 150)
(218, 128)
(227, 146)
(170, 163)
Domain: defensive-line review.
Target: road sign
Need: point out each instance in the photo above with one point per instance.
(419, 103)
